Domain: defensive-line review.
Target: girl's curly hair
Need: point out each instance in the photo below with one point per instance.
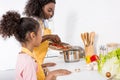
(34, 7)
(12, 24)
(9, 22)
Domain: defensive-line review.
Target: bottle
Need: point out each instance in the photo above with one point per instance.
(103, 50)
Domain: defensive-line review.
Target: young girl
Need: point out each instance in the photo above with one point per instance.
(28, 32)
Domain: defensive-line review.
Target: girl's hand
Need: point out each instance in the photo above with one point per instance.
(48, 64)
(60, 72)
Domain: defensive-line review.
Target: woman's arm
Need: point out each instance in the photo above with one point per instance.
(45, 37)
(51, 37)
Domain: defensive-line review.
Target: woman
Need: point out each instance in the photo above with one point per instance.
(28, 32)
(42, 10)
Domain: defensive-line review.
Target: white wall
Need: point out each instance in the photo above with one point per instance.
(9, 48)
(72, 17)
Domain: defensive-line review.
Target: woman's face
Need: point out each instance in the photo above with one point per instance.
(48, 10)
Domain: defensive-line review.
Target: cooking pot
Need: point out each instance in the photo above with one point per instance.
(73, 54)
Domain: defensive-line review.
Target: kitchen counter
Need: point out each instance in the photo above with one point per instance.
(7, 74)
(78, 69)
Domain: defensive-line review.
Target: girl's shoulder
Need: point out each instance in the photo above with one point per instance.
(23, 57)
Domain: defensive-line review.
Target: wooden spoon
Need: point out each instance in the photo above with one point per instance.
(92, 38)
(83, 38)
(88, 39)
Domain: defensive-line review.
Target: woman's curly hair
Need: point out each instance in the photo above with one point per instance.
(34, 7)
(12, 24)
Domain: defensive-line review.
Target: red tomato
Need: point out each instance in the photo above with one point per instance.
(94, 58)
(54, 44)
(59, 46)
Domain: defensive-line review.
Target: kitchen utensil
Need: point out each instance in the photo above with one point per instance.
(92, 36)
(74, 54)
(86, 39)
(89, 43)
(83, 38)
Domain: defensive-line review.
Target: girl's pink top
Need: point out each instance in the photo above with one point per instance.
(26, 67)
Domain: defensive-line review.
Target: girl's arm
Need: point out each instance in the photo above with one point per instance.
(59, 72)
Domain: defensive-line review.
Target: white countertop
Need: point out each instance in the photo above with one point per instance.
(84, 73)
(7, 74)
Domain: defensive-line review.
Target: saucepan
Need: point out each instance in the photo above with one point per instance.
(73, 54)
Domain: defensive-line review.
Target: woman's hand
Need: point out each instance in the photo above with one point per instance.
(52, 38)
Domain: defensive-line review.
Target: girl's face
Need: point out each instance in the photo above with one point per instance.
(48, 10)
(38, 38)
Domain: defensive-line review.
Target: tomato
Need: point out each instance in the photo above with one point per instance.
(59, 46)
(94, 58)
(54, 44)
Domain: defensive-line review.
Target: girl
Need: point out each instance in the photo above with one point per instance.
(28, 32)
